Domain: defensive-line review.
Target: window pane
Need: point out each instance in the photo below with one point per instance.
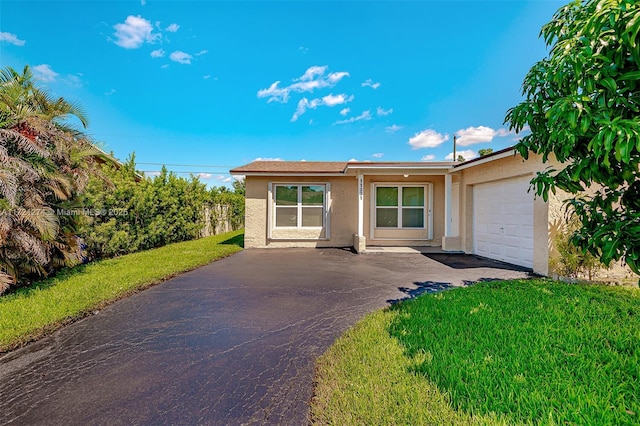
(386, 196)
(413, 218)
(286, 216)
(413, 196)
(387, 218)
(312, 216)
(313, 195)
(286, 195)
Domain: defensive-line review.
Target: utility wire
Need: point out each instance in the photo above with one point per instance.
(185, 165)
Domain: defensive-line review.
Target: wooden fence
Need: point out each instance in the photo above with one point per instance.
(218, 219)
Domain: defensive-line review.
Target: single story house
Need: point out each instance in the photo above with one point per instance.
(482, 206)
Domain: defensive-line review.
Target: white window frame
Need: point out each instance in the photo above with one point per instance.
(299, 205)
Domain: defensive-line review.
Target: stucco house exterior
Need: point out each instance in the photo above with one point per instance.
(482, 206)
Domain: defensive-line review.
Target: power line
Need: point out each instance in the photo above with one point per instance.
(184, 172)
(185, 165)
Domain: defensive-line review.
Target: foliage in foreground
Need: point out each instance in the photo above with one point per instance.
(29, 313)
(526, 351)
(45, 164)
(582, 104)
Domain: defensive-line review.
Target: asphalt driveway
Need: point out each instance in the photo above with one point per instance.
(233, 342)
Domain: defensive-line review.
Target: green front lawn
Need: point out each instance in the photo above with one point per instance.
(502, 352)
(32, 312)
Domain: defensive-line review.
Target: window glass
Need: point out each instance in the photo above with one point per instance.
(286, 195)
(386, 218)
(413, 218)
(299, 205)
(413, 196)
(313, 195)
(386, 196)
(287, 216)
(312, 216)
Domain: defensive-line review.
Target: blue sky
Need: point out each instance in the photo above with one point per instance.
(212, 85)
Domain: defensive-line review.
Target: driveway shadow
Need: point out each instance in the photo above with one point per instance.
(467, 261)
(421, 288)
(429, 287)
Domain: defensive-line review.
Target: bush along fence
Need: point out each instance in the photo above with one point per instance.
(140, 213)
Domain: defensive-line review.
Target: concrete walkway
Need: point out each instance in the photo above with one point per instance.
(233, 342)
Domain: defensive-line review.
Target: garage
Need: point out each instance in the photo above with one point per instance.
(503, 221)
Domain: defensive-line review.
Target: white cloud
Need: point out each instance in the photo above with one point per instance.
(44, 73)
(472, 135)
(274, 93)
(378, 155)
(313, 78)
(180, 57)
(312, 72)
(366, 115)
(223, 179)
(134, 32)
(152, 173)
(204, 175)
(335, 77)
(164, 66)
(303, 49)
(428, 157)
(73, 80)
(268, 159)
(468, 154)
(202, 52)
(333, 100)
(158, 53)
(11, 38)
(173, 28)
(330, 100)
(345, 111)
(110, 92)
(427, 139)
(143, 2)
(393, 128)
(382, 112)
(370, 83)
(206, 77)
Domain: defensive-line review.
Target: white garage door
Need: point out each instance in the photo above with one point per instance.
(503, 221)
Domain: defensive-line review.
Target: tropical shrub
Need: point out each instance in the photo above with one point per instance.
(45, 163)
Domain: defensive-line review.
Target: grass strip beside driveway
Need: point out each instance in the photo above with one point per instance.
(32, 312)
(514, 352)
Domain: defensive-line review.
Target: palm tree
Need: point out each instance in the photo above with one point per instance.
(45, 162)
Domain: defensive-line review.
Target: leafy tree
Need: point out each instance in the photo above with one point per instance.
(485, 151)
(582, 104)
(45, 164)
(460, 158)
(239, 187)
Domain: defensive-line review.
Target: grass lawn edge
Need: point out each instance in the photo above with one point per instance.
(89, 310)
(376, 371)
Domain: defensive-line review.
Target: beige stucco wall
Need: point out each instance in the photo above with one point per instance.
(343, 214)
(505, 168)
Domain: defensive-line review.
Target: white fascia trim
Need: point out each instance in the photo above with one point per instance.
(289, 175)
(443, 168)
(506, 154)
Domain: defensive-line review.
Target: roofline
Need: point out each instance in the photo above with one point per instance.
(267, 174)
(439, 165)
(503, 153)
